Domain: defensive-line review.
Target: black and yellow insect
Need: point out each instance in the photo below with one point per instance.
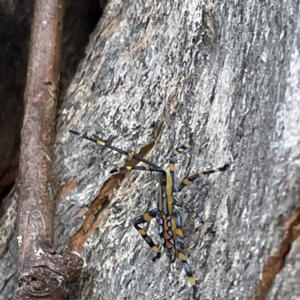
(168, 218)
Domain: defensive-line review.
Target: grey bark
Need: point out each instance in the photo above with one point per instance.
(155, 72)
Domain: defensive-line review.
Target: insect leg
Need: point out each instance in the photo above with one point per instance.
(190, 179)
(177, 151)
(145, 218)
(173, 160)
(141, 168)
(194, 214)
(179, 245)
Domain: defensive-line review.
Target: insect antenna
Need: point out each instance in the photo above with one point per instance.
(102, 143)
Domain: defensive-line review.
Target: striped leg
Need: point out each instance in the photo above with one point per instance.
(177, 151)
(145, 218)
(173, 159)
(195, 215)
(140, 168)
(179, 245)
(153, 168)
(188, 180)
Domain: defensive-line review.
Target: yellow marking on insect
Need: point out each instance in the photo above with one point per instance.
(128, 168)
(201, 174)
(169, 184)
(101, 143)
(217, 170)
(155, 249)
(174, 225)
(130, 155)
(166, 235)
(172, 166)
(192, 280)
(179, 232)
(186, 145)
(147, 217)
(186, 181)
(181, 256)
(176, 152)
(142, 231)
(206, 225)
(169, 245)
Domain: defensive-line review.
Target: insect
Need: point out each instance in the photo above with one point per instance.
(168, 217)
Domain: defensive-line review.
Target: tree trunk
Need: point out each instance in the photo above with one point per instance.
(155, 72)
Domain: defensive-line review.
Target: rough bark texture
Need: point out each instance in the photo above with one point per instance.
(80, 18)
(154, 72)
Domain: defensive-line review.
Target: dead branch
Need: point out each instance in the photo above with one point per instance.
(43, 273)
